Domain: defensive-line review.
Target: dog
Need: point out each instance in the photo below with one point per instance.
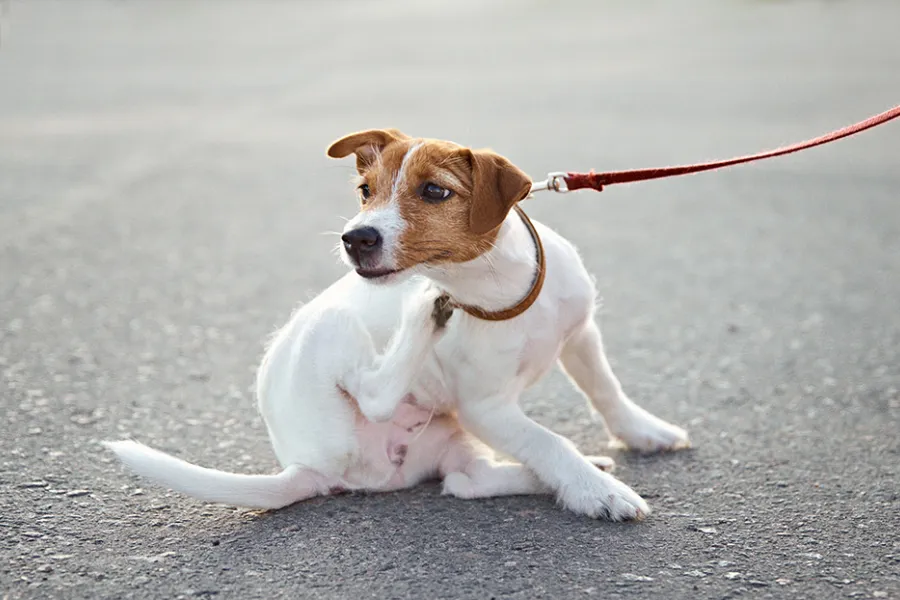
(436, 220)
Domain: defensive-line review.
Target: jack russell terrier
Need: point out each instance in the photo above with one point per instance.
(439, 233)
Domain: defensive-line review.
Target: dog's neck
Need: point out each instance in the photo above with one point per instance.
(499, 278)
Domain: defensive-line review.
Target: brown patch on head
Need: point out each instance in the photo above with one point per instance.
(484, 187)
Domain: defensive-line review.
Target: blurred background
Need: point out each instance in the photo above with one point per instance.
(164, 203)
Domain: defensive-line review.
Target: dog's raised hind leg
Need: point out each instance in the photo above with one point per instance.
(380, 389)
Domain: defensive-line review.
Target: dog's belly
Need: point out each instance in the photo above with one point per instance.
(385, 448)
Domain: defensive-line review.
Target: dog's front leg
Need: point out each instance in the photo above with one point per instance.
(579, 485)
(584, 360)
(381, 388)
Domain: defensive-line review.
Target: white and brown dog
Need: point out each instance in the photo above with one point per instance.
(436, 218)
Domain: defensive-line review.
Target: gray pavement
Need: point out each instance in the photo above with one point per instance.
(163, 193)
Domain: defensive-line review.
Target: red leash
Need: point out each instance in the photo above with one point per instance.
(562, 182)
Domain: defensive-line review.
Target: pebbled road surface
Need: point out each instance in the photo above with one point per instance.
(163, 193)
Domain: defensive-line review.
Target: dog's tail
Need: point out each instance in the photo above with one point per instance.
(293, 484)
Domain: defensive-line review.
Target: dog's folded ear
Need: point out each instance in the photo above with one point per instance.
(497, 185)
(365, 144)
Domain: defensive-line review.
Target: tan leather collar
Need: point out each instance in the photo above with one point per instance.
(526, 302)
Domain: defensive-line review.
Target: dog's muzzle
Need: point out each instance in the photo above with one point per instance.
(362, 245)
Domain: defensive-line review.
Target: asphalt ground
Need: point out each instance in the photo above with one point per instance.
(163, 198)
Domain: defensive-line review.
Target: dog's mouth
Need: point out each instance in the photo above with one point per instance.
(375, 273)
(383, 274)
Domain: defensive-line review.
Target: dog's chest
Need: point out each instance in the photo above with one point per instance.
(479, 359)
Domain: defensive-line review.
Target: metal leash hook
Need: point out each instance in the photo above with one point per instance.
(555, 182)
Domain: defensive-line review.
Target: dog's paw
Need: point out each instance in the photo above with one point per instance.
(459, 485)
(429, 308)
(375, 410)
(604, 497)
(643, 432)
(374, 405)
(442, 311)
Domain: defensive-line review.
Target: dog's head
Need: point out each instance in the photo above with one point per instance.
(423, 202)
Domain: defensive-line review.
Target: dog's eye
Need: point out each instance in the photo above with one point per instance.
(364, 192)
(432, 192)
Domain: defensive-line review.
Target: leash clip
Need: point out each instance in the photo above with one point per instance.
(555, 182)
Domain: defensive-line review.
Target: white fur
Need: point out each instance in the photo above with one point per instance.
(210, 485)
(401, 174)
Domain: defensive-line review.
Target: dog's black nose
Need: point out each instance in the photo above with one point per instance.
(362, 241)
